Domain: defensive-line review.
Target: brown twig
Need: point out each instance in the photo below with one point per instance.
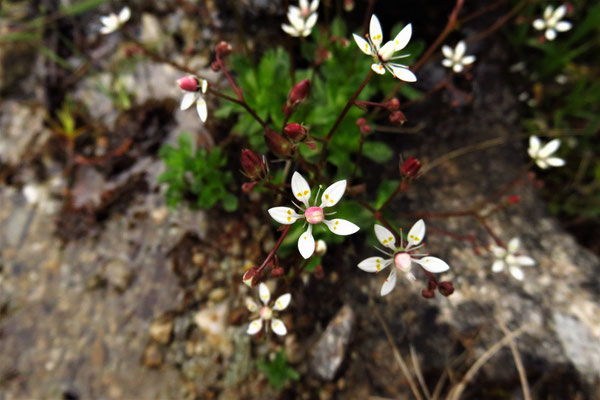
(518, 361)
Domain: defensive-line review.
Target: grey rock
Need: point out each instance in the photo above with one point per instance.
(329, 351)
(118, 274)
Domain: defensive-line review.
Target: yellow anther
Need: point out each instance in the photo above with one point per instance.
(289, 212)
(327, 196)
(305, 192)
(289, 219)
(299, 194)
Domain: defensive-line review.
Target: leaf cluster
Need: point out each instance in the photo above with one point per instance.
(278, 371)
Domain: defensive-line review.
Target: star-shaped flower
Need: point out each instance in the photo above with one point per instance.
(313, 215)
(265, 313)
(112, 22)
(401, 257)
(193, 89)
(542, 154)
(302, 19)
(455, 58)
(384, 55)
(551, 22)
(509, 258)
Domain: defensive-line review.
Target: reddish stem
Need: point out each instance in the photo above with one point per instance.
(274, 249)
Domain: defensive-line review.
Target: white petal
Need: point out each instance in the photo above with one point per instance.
(513, 245)
(516, 272)
(108, 20)
(341, 227)
(403, 73)
(374, 264)
(294, 11)
(254, 327)
(314, 5)
(555, 161)
(296, 21)
(290, 30)
(447, 51)
(203, 85)
(468, 60)
(124, 15)
(385, 237)
(498, 265)
(390, 283)
(563, 26)
(539, 24)
(433, 264)
(458, 67)
(282, 302)
(416, 233)
(378, 68)
(284, 215)
(460, 49)
(306, 243)
(311, 21)
(446, 62)
(499, 252)
(278, 327)
(251, 305)
(375, 31)
(525, 261)
(534, 146)
(403, 37)
(387, 51)
(549, 148)
(188, 99)
(550, 34)
(105, 30)
(300, 188)
(541, 163)
(303, 4)
(201, 108)
(264, 293)
(548, 12)
(332, 195)
(559, 12)
(362, 44)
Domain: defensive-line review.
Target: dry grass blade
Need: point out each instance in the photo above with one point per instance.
(417, 367)
(397, 356)
(461, 386)
(518, 361)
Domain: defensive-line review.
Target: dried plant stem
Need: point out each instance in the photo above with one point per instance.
(457, 391)
(397, 356)
(415, 363)
(518, 361)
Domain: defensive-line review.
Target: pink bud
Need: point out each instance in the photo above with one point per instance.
(251, 277)
(277, 272)
(215, 66)
(299, 93)
(223, 49)
(188, 83)
(392, 105)
(428, 294)
(278, 144)
(247, 187)
(295, 131)
(398, 118)
(410, 168)
(252, 165)
(348, 5)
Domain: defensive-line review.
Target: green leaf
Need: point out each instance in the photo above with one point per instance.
(377, 151)
(278, 371)
(385, 189)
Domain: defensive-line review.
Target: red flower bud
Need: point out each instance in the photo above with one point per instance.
(398, 118)
(295, 131)
(446, 288)
(410, 168)
(247, 187)
(348, 5)
(188, 83)
(428, 294)
(252, 165)
(251, 277)
(278, 144)
(215, 66)
(277, 272)
(431, 285)
(299, 93)
(223, 49)
(513, 199)
(361, 122)
(392, 105)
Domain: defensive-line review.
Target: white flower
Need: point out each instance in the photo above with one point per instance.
(456, 58)
(541, 155)
(265, 313)
(313, 215)
(190, 97)
(508, 258)
(302, 19)
(551, 21)
(383, 55)
(401, 257)
(113, 21)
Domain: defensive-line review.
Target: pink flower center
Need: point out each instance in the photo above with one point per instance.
(266, 313)
(314, 215)
(402, 261)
